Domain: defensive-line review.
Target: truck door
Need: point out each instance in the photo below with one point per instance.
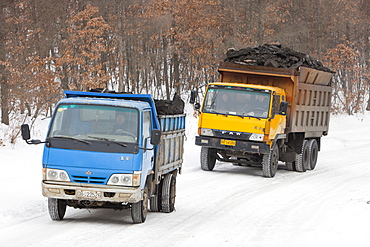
(148, 158)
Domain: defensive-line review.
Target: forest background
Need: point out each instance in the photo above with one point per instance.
(166, 46)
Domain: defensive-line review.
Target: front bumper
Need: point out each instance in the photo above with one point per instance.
(73, 191)
(240, 145)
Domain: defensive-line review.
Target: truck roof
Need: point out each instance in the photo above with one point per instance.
(140, 101)
(111, 102)
(253, 86)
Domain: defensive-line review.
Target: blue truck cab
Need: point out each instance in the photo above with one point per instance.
(110, 151)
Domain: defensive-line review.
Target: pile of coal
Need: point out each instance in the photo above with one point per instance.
(105, 90)
(170, 107)
(272, 55)
(163, 107)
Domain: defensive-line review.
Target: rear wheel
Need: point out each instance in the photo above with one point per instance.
(207, 158)
(168, 193)
(57, 208)
(236, 162)
(270, 162)
(290, 166)
(139, 210)
(313, 153)
(303, 159)
(156, 200)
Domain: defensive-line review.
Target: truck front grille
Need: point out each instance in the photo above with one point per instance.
(232, 134)
(88, 179)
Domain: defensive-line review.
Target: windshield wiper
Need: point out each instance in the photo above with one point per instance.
(223, 114)
(72, 138)
(215, 112)
(108, 140)
(237, 115)
(251, 116)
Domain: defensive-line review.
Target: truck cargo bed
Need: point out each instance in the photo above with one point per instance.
(170, 150)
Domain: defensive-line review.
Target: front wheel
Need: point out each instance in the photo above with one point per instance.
(57, 208)
(207, 158)
(139, 210)
(270, 162)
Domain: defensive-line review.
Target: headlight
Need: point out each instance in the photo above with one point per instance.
(256, 137)
(206, 132)
(56, 175)
(125, 179)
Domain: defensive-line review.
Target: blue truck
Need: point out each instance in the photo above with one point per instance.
(108, 150)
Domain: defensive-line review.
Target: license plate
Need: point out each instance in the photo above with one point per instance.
(228, 142)
(88, 194)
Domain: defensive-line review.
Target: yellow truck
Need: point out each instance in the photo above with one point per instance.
(257, 115)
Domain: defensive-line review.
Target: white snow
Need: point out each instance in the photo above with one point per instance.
(230, 206)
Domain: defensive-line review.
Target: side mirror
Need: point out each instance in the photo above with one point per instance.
(25, 129)
(197, 106)
(193, 96)
(156, 137)
(283, 108)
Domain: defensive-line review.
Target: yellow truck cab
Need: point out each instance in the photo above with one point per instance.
(259, 115)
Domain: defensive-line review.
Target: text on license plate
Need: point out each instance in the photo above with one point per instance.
(228, 142)
(88, 194)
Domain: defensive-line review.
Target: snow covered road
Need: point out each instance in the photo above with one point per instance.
(230, 206)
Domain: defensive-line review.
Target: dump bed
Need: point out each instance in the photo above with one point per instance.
(308, 93)
(171, 148)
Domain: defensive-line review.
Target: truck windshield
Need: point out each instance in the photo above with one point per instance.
(237, 101)
(95, 122)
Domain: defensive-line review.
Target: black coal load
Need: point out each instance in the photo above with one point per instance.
(105, 90)
(170, 107)
(273, 55)
(163, 107)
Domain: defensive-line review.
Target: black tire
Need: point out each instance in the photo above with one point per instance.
(290, 166)
(139, 210)
(270, 162)
(57, 208)
(156, 200)
(207, 158)
(236, 162)
(313, 153)
(168, 193)
(303, 159)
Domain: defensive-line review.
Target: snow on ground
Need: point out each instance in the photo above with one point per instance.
(230, 206)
